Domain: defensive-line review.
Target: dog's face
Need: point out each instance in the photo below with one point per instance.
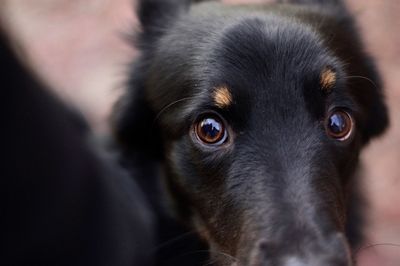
(261, 128)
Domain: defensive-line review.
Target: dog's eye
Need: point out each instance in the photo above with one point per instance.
(210, 130)
(339, 125)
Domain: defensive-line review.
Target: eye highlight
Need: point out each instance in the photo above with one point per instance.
(339, 125)
(210, 130)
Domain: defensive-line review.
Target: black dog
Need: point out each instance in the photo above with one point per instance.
(258, 114)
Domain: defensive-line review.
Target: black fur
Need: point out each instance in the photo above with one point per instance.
(278, 192)
(64, 200)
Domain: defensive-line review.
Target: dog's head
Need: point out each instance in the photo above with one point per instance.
(259, 116)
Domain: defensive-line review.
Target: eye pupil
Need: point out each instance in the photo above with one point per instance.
(337, 123)
(210, 130)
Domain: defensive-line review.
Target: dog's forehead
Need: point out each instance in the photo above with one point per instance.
(267, 51)
(246, 60)
(269, 60)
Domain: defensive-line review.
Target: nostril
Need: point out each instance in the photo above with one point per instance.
(262, 245)
(265, 246)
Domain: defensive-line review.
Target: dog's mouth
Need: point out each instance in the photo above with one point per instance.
(284, 245)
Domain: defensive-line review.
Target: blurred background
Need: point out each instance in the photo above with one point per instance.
(79, 48)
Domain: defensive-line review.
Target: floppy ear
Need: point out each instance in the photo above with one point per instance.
(156, 15)
(362, 78)
(134, 125)
(133, 119)
(367, 90)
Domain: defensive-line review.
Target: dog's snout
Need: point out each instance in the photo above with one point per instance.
(298, 261)
(331, 251)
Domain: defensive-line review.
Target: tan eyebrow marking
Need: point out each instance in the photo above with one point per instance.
(327, 79)
(222, 96)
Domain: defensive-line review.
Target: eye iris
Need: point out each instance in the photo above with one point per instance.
(339, 125)
(210, 130)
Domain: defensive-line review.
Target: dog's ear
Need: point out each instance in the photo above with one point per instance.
(133, 120)
(367, 90)
(363, 78)
(156, 15)
(133, 123)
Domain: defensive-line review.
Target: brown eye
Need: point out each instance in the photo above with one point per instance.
(339, 125)
(210, 130)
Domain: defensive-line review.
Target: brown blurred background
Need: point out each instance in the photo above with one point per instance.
(78, 47)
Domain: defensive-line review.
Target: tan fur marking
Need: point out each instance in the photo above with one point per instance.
(222, 97)
(328, 79)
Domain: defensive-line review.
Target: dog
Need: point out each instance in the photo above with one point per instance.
(257, 115)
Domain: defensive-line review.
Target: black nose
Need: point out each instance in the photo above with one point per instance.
(330, 251)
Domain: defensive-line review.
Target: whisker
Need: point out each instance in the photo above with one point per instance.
(186, 254)
(225, 255)
(210, 262)
(365, 78)
(170, 105)
(361, 249)
(173, 240)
